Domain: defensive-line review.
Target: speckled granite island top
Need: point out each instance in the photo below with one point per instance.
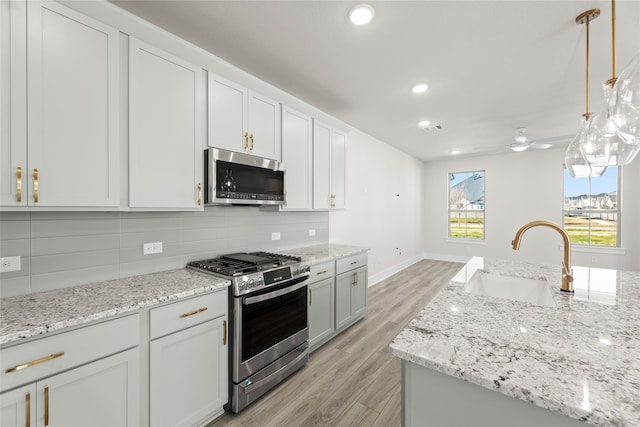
(328, 252)
(30, 315)
(580, 358)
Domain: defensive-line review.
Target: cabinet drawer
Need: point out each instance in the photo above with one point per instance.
(185, 313)
(322, 271)
(349, 263)
(44, 357)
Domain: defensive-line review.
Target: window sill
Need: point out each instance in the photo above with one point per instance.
(466, 241)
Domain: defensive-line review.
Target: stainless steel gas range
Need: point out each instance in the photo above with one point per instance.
(269, 330)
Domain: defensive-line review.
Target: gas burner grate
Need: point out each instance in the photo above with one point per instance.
(244, 263)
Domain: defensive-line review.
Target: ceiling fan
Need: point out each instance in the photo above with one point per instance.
(521, 143)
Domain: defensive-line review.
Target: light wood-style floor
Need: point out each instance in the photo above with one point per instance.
(352, 380)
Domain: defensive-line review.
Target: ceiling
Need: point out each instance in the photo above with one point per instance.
(491, 66)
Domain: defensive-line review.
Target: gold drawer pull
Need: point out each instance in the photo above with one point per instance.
(224, 336)
(28, 410)
(35, 185)
(19, 184)
(34, 362)
(46, 406)
(321, 272)
(354, 262)
(199, 194)
(191, 313)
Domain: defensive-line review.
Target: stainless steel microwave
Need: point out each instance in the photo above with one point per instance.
(232, 178)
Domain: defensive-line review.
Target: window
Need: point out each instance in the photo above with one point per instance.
(592, 208)
(466, 205)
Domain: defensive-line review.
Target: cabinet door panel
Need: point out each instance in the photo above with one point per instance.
(18, 406)
(189, 374)
(227, 114)
(343, 299)
(338, 165)
(264, 123)
(297, 156)
(72, 108)
(102, 393)
(359, 293)
(321, 320)
(166, 140)
(321, 166)
(13, 102)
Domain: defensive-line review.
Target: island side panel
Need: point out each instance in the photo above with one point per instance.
(430, 398)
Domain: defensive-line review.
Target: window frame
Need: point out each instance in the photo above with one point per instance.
(466, 212)
(617, 212)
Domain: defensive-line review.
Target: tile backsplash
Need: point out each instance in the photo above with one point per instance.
(61, 249)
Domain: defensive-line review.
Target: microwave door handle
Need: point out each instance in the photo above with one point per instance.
(274, 294)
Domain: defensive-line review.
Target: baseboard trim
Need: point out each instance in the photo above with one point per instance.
(385, 274)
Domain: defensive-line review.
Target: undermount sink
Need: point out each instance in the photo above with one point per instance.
(534, 291)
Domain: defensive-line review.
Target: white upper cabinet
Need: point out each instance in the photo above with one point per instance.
(70, 96)
(243, 120)
(166, 129)
(329, 162)
(297, 157)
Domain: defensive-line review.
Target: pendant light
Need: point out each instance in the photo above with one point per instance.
(625, 103)
(574, 160)
(604, 144)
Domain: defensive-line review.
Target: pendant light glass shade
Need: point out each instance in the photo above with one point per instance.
(575, 162)
(625, 103)
(603, 144)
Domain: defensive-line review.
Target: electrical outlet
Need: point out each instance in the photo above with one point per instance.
(275, 236)
(152, 248)
(312, 232)
(8, 264)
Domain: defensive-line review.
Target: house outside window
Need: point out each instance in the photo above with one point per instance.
(592, 209)
(466, 205)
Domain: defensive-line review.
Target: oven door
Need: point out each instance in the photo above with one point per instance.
(268, 324)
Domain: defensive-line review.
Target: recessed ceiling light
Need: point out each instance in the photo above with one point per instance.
(361, 14)
(419, 88)
(424, 123)
(455, 152)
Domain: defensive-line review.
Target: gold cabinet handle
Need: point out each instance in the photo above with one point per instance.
(28, 411)
(35, 185)
(321, 272)
(191, 313)
(34, 362)
(310, 297)
(354, 262)
(224, 333)
(251, 138)
(46, 406)
(19, 184)
(199, 194)
(333, 200)
(246, 141)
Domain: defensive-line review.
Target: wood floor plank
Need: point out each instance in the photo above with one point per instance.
(353, 380)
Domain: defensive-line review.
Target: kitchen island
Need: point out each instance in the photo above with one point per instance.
(576, 361)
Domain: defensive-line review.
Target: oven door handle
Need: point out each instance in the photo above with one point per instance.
(274, 294)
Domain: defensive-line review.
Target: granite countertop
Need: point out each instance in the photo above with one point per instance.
(327, 252)
(35, 314)
(580, 358)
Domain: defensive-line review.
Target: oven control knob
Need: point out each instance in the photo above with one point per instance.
(250, 284)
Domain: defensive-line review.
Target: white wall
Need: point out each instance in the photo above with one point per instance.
(374, 218)
(522, 187)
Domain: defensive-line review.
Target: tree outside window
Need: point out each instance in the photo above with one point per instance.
(466, 205)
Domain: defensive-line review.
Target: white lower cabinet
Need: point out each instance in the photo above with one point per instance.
(188, 368)
(18, 407)
(101, 394)
(321, 308)
(351, 294)
(85, 377)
